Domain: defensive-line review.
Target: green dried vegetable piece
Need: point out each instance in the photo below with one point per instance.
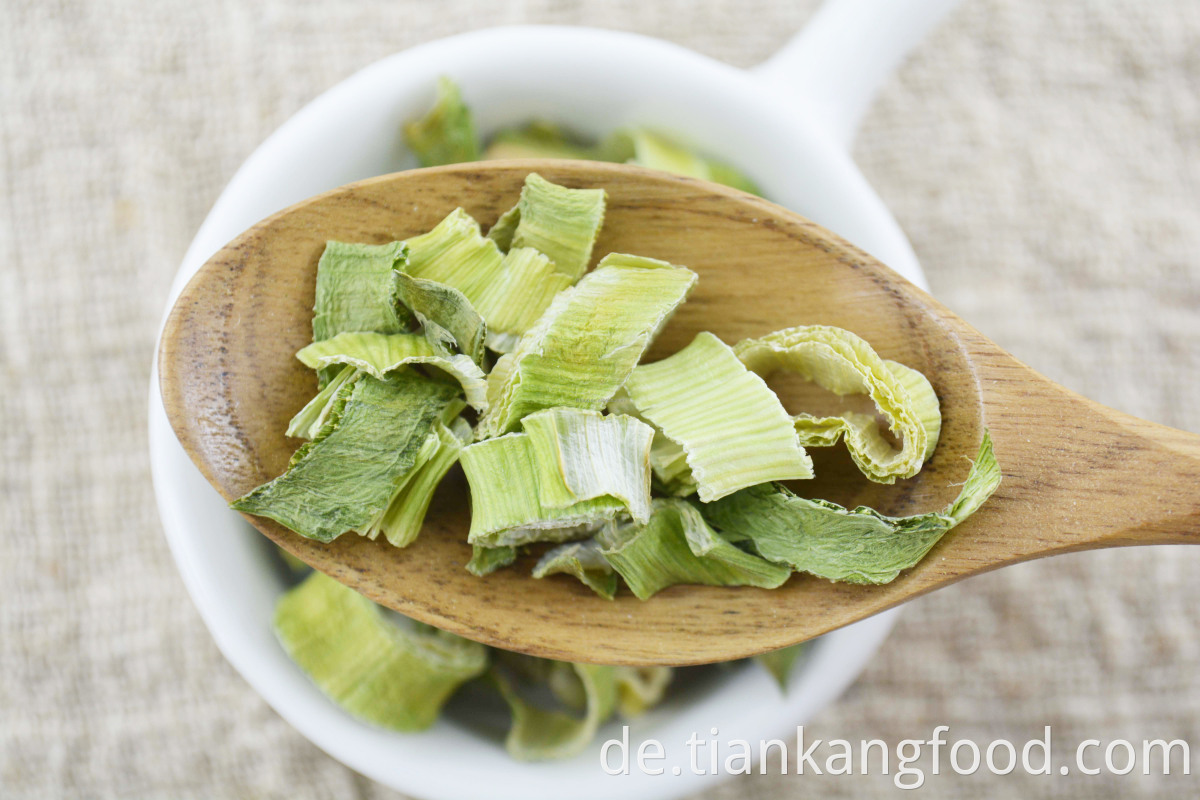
(457, 254)
(558, 222)
(640, 688)
(308, 420)
(380, 354)
(537, 139)
(827, 540)
(659, 152)
(447, 315)
(446, 135)
(486, 560)
(780, 662)
(585, 562)
(731, 426)
(354, 290)
(401, 522)
(586, 344)
(595, 455)
(389, 674)
(844, 363)
(347, 475)
(677, 546)
(517, 499)
(539, 734)
(518, 298)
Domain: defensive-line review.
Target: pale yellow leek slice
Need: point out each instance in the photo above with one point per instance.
(586, 344)
(383, 669)
(559, 222)
(379, 354)
(527, 284)
(457, 254)
(640, 688)
(731, 426)
(510, 504)
(844, 363)
(595, 455)
(677, 546)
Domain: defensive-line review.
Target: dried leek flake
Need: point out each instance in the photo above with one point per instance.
(517, 498)
(486, 560)
(655, 151)
(779, 663)
(446, 135)
(457, 254)
(445, 313)
(527, 284)
(558, 222)
(587, 343)
(383, 669)
(640, 688)
(402, 521)
(595, 456)
(858, 546)
(308, 420)
(844, 363)
(379, 355)
(732, 428)
(583, 560)
(347, 475)
(677, 546)
(354, 290)
(538, 139)
(539, 734)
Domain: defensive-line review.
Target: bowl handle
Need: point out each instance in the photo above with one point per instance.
(832, 69)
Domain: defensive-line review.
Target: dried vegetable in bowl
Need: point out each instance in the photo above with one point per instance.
(502, 352)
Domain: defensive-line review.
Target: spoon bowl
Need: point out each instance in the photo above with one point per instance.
(1077, 475)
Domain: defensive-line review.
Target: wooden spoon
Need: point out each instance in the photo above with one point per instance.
(1077, 475)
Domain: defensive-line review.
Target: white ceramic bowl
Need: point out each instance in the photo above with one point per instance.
(786, 124)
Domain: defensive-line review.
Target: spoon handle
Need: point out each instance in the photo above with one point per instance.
(1079, 475)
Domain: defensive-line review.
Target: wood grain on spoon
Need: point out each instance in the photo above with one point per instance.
(1077, 475)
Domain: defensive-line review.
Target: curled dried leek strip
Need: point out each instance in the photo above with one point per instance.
(445, 135)
(844, 363)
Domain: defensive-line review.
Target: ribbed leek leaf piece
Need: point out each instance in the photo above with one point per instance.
(559, 222)
(827, 540)
(587, 343)
(538, 139)
(446, 314)
(390, 674)
(457, 254)
(731, 426)
(348, 474)
(655, 151)
(527, 284)
(585, 562)
(354, 290)
(844, 363)
(379, 354)
(446, 135)
(596, 455)
(677, 546)
(517, 498)
(401, 522)
(539, 734)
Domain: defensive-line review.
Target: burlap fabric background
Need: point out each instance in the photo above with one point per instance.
(1044, 158)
